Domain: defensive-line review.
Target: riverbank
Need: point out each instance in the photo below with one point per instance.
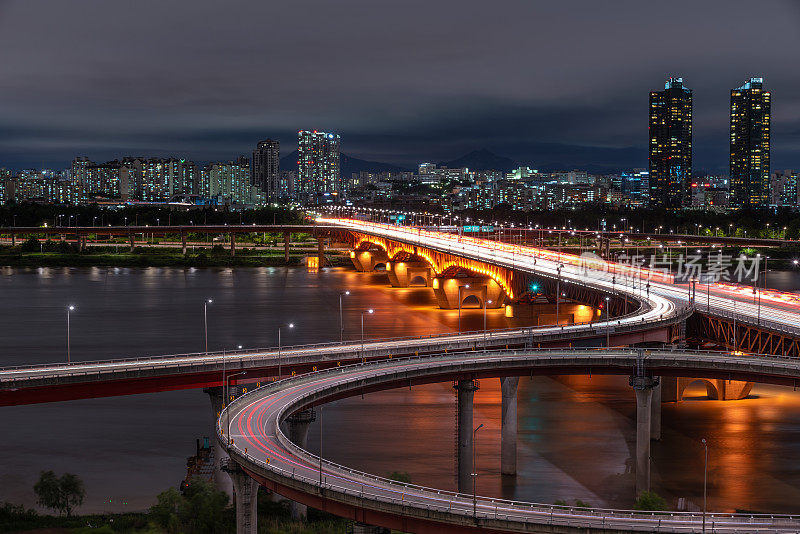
(273, 518)
(216, 256)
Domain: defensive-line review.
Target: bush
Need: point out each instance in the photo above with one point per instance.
(31, 245)
(650, 501)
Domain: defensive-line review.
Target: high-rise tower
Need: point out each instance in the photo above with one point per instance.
(317, 165)
(670, 145)
(750, 125)
(265, 172)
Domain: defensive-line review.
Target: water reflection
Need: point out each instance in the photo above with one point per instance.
(576, 434)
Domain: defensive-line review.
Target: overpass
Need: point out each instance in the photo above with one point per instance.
(647, 307)
(253, 426)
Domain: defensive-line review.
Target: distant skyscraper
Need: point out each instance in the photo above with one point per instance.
(265, 169)
(750, 118)
(670, 145)
(317, 164)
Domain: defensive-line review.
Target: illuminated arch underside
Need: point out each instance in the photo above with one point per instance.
(439, 261)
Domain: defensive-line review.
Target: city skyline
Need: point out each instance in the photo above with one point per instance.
(536, 83)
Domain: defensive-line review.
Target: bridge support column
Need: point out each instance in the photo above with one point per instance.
(508, 425)
(14, 240)
(183, 243)
(466, 392)
(655, 412)
(221, 481)
(133, 241)
(233, 244)
(245, 497)
(321, 251)
(286, 239)
(643, 387)
(298, 424)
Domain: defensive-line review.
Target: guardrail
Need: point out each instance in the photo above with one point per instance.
(768, 324)
(459, 504)
(527, 335)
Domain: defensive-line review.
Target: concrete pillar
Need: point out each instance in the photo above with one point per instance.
(643, 388)
(466, 392)
(321, 251)
(221, 481)
(286, 238)
(655, 428)
(133, 243)
(13, 240)
(245, 497)
(298, 424)
(508, 425)
(233, 244)
(183, 243)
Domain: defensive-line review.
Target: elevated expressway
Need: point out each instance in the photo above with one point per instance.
(738, 317)
(257, 442)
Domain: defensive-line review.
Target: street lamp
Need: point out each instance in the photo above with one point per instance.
(459, 304)
(341, 316)
(227, 389)
(70, 308)
(475, 472)
(288, 325)
(485, 304)
(205, 320)
(608, 320)
(705, 483)
(363, 357)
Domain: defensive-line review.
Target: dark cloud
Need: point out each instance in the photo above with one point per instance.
(549, 83)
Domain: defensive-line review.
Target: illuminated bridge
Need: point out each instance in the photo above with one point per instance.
(252, 428)
(639, 307)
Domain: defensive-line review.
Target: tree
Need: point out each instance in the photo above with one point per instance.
(650, 501)
(60, 494)
(200, 509)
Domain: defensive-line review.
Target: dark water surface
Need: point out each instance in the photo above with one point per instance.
(576, 433)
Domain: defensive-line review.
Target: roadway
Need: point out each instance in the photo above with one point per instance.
(771, 309)
(260, 446)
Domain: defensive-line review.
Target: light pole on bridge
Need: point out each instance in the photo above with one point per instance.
(363, 356)
(460, 288)
(341, 316)
(227, 399)
(287, 325)
(705, 483)
(475, 472)
(70, 309)
(205, 321)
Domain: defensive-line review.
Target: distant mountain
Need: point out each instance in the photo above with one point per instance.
(482, 160)
(348, 164)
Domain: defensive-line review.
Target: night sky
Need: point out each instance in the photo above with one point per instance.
(545, 83)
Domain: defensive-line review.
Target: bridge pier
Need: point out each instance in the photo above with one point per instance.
(402, 272)
(298, 424)
(448, 293)
(321, 252)
(221, 481)
(365, 260)
(133, 241)
(643, 388)
(183, 243)
(655, 411)
(13, 239)
(466, 393)
(245, 498)
(233, 244)
(286, 239)
(509, 386)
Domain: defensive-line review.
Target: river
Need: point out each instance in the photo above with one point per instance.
(576, 434)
